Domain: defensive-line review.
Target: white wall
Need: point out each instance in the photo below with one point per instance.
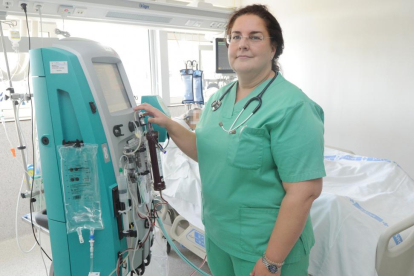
(356, 59)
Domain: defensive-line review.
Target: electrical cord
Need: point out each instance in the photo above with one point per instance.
(21, 185)
(24, 7)
(40, 232)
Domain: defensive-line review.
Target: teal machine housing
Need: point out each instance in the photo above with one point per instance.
(82, 93)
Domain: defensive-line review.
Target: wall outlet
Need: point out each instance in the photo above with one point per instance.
(65, 10)
(8, 3)
(79, 12)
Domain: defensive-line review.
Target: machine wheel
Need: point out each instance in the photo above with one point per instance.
(148, 259)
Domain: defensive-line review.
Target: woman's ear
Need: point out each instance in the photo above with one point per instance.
(274, 49)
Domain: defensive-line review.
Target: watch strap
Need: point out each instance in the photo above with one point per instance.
(270, 262)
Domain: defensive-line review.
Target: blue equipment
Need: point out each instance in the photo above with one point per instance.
(82, 96)
(193, 83)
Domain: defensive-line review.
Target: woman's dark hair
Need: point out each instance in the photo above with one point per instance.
(272, 26)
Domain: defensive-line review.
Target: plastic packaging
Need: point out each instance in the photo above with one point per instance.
(144, 188)
(15, 38)
(38, 190)
(81, 188)
(159, 258)
(30, 172)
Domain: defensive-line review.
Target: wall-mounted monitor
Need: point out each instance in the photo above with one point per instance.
(222, 60)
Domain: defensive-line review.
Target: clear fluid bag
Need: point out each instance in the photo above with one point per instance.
(81, 188)
(159, 265)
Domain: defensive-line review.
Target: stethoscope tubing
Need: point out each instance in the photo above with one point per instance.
(216, 105)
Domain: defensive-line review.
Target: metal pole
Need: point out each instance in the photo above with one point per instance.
(19, 134)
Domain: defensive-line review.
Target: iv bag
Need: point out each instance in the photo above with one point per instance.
(159, 259)
(187, 79)
(81, 187)
(198, 86)
(14, 38)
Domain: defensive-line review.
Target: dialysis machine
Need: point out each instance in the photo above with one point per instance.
(100, 160)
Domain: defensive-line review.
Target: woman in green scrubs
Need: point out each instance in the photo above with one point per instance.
(260, 173)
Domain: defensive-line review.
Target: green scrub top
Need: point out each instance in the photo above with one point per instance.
(242, 173)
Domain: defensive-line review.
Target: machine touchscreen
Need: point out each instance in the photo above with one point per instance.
(112, 86)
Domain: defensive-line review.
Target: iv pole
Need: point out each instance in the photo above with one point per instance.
(14, 98)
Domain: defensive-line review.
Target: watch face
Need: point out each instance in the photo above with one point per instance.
(272, 269)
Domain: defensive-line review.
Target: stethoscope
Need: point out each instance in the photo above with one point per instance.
(217, 103)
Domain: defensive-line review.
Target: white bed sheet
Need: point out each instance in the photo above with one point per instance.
(361, 197)
(183, 184)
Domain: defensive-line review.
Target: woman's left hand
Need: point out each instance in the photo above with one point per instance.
(261, 270)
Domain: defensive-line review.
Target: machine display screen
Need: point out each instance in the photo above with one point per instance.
(112, 86)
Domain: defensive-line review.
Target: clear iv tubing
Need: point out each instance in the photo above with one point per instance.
(28, 177)
(140, 140)
(91, 242)
(17, 232)
(41, 22)
(168, 239)
(126, 257)
(135, 207)
(18, 67)
(24, 141)
(173, 246)
(5, 130)
(21, 186)
(135, 115)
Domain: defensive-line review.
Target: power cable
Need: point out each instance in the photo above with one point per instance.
(24, 7)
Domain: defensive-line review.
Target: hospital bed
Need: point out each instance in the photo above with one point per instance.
(363, 220)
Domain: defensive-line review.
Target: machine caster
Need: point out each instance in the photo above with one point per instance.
(148, 260)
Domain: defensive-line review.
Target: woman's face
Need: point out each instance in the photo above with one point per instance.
(247, 56)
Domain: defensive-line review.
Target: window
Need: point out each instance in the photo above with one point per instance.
(129, 41)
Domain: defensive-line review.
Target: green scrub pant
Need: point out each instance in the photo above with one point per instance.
(224, 264)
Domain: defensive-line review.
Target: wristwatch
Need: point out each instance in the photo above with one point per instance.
(271, 266)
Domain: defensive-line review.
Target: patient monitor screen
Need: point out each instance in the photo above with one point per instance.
(112, 86)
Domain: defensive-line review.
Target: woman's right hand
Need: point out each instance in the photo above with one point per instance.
(155, 116)
(183, 138)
